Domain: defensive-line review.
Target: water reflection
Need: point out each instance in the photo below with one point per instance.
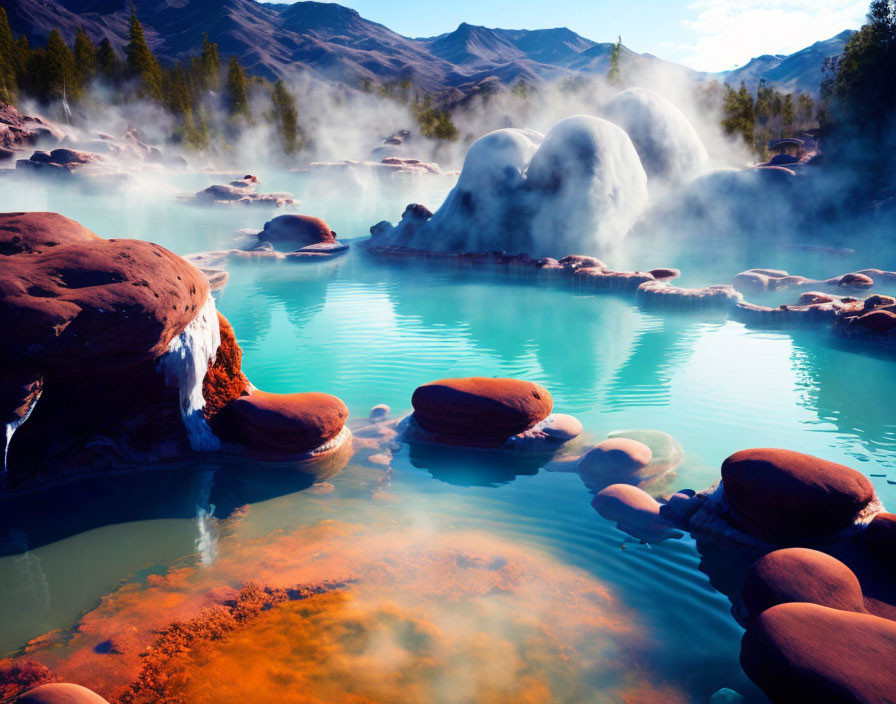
(850, 388)
(465, 467)
(660, 348)
(256, 289)
(183, 491)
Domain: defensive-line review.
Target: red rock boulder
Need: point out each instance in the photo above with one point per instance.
(784, 496)
(296, 231)
(33, 233)
(480, 411)
(801, 575)
(115, 302)
(289, 424)
(806, 653)
(84, 321)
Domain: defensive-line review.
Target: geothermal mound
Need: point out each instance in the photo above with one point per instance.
(579, 188)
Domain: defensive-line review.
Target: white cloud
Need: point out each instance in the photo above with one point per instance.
(728, 33)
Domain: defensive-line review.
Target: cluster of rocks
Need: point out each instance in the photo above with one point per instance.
(762, 280)
(874, 320)
(817, 600)
(18, 132)
(61, 161)
(129, 148)
(294, 238)
(72, 154)
(87, 317)
(870, 319)
(387, 167)
(651, 288)
(243, 191)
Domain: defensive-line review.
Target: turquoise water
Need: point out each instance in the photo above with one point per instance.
(370, 333)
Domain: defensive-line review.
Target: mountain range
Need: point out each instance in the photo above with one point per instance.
(335, 43)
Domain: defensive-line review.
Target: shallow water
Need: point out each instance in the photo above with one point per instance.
(371, 333)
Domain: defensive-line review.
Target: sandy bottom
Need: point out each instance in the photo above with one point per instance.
(360, 613)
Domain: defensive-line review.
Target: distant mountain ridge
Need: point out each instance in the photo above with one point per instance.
(797, 72)
(335, 43)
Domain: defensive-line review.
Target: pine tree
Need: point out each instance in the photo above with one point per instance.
(614, 75)
(286, 117)
(805, 110)
(237, 97)
(107, 62)
(85, 57)
(177, 93)
(142, 62)
(21, 60)
(739, 117)
(787, 113)
(8, 83)
(209, 64)
(433, 123)
(56, 74)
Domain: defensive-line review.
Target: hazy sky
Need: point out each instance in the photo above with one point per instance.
(709, 35)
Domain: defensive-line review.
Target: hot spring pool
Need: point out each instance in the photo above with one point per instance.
(370, 333)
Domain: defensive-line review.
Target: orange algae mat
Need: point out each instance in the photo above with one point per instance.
(339, 612)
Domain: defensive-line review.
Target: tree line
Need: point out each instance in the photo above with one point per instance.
(433, 121)
(859, 94)
(768, 115)
(189, 90)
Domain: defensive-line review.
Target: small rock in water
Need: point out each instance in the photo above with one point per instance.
(634, 511)
(381, 459)
(379, 412)
(726, 696)
(562, 427)
(667, 453)
(322, 488)
(680, 507)
(614, 460)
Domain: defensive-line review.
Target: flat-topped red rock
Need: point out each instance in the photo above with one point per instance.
(296, 231)
(784, 496)
(288, 423)
(480, 411)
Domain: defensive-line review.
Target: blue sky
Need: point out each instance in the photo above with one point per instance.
(709, 35)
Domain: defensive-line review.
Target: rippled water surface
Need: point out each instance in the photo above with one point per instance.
(372, 332)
